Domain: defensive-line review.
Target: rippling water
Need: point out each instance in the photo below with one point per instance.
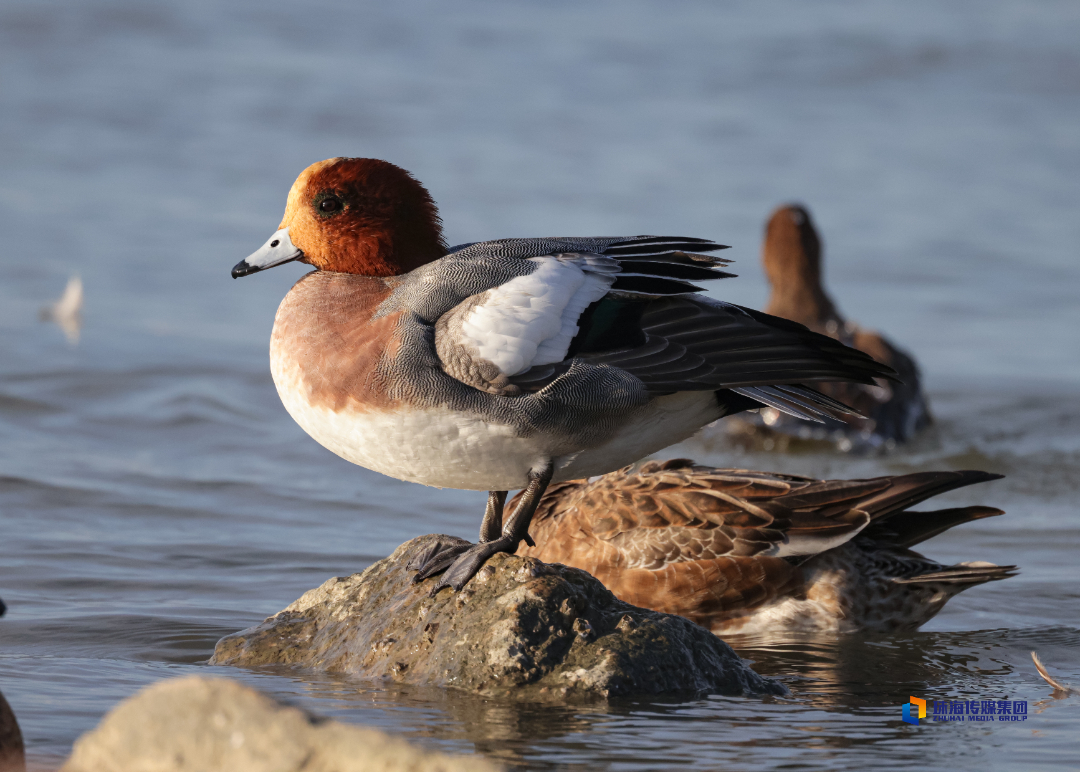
(154, 495)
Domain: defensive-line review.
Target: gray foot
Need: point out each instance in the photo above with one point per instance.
(462, 560)
(436, 558)
(470, 560)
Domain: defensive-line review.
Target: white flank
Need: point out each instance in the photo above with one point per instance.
(531, 319)
(445, 449)
(434, 446)
(448, 449)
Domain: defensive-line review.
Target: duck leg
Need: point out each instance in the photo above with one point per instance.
(491, 528)
(465, 560)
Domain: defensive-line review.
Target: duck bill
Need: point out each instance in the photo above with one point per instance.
(277, 250)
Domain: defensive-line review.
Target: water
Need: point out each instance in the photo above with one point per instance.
(155, 496)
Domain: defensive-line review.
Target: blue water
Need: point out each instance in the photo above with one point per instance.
(154, 495)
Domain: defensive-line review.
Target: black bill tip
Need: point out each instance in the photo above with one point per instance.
(244, 268)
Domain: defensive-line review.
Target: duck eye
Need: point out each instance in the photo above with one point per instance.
(330, 204)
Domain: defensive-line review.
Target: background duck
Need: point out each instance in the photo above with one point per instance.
(893, 412)
(739, 551)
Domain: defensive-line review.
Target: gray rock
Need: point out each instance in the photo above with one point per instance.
(12, 756)
(520, 628)
(199, 724)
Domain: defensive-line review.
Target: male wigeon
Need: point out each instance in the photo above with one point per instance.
(892, 411)
(760, 553)
(512, 363)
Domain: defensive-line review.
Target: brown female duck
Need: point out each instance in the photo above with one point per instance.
(893, 412)
(759, 552)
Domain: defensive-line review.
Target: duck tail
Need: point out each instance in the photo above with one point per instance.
(909, 490)
(906, 529)
(974, 572)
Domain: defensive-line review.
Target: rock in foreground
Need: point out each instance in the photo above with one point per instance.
(217, 725)
(520, 628)
(12, 758)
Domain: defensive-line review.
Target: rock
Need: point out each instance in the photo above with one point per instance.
(12, 756)
(520, 628)
(218, 725)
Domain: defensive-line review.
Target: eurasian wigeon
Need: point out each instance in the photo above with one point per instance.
(892, 412)
(760, 553)
(512, 363)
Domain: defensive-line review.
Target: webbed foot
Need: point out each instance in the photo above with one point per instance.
(437, 557)
(461, 560)
(470, 560)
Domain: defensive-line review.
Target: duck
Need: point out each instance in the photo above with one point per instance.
(512, 363)
(892, 412)
(762, 553)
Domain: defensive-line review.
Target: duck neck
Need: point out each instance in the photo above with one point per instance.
(800, 297)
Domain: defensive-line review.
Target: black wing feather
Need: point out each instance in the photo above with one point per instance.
(673, 270)
(652, 285)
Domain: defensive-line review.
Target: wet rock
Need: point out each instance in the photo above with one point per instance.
(218, 725)
(520, 628)
(12, 757)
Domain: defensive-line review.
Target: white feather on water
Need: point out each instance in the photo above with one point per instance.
(67, 311)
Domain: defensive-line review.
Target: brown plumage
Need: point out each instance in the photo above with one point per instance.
(326, 345)
(893, 412)
(751, 552)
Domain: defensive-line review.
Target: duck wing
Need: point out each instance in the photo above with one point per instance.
(516, 315)
(715, 544)
(675, 511)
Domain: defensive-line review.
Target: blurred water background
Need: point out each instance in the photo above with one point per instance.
(154, 494)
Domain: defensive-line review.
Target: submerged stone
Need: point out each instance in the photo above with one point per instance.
(520, 628)
(218, 725)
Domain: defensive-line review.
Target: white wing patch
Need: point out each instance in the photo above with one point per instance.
(531, 320)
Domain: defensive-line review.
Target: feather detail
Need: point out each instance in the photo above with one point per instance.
(737, 550)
